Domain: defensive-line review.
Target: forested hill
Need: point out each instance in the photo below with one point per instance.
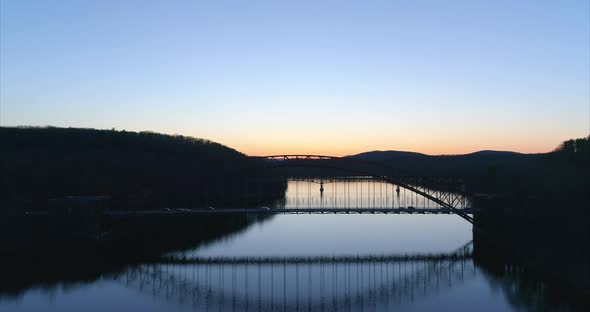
(52, 162)
(453, 165)
(483, 171)
(497, 171)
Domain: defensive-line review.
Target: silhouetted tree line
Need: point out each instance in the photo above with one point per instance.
(544, 181)
(138, 169)
(494, 171)
(575, 150)
(566, 174)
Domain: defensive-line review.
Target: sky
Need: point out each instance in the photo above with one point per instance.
(318, 77)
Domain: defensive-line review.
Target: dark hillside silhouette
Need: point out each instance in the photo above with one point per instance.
(489, 171)
(143, 169)
(574, 151)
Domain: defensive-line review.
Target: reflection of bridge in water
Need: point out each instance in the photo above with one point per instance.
(347, 283)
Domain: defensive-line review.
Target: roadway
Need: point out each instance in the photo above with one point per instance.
(272, 211)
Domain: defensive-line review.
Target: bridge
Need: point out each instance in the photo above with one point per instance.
(449, 194)
(377, 189)
(274, 211)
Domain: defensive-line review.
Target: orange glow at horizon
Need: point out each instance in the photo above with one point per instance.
(346, 141)
(352, 149)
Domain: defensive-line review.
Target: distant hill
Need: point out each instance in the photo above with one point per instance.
(417, 163)
(388, 155)
(483, 170)
(384, 155)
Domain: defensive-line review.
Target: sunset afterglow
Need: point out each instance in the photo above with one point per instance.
(268, 77)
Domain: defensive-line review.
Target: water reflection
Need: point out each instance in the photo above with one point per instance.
(291, 263)
(351, 193)
(526, 290)
(370, 283)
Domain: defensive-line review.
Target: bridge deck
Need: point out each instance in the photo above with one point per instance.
(229, 211)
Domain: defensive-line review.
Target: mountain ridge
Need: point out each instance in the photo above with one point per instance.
(410, 153)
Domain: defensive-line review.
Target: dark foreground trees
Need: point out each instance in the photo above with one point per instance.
(135, 168)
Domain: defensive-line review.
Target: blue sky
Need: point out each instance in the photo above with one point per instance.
(335, 77)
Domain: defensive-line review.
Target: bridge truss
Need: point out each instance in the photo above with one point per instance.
(448, 193)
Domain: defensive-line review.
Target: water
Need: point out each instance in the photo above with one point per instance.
(305, 263)
(353, 192)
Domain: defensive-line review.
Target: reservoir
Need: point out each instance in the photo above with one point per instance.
(306, 262)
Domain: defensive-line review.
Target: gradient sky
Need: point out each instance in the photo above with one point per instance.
(327, 77)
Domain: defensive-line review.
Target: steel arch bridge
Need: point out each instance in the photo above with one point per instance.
(428, 187)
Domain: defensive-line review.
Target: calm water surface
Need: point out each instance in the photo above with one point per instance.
(302, 263)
